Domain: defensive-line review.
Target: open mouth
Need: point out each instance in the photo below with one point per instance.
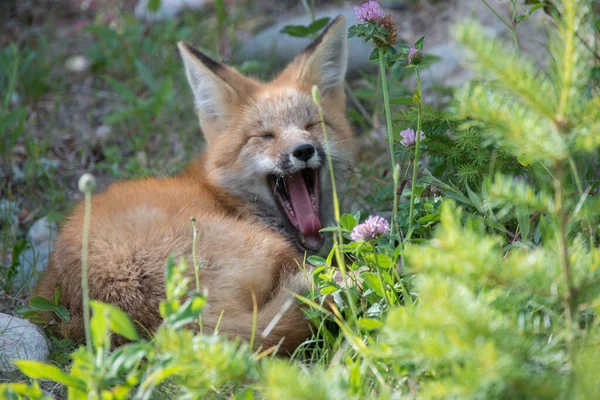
(299, 196)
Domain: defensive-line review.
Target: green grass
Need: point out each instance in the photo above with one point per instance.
(494, 295)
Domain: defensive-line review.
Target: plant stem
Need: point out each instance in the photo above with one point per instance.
(513, 29)
(196, 264)
(513, 26)
(561, 217)
(417, 145)
(85, 289)
(338, 240)
(390, 134)
(575, 174)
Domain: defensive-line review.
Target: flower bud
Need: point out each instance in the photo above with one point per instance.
(87, 183)
(415, 56)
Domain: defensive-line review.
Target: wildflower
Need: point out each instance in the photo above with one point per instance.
(390, 25)
(409, 138)
(373, 228)
(415, 56)
(369, 12)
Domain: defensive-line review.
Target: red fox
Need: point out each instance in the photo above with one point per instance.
(260, 194)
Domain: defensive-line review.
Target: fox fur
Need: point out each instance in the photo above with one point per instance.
(246, 242)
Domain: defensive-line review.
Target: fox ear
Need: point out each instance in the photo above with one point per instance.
(323, 62)
(216, 87)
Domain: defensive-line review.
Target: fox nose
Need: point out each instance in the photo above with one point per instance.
(304, 152)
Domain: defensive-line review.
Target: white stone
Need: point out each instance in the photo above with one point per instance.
(77, 64)
(20, 340)
(168, 9)
(35, 259)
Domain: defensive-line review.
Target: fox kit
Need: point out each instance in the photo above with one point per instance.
(260, 194)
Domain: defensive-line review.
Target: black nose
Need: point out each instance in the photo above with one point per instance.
(304, 152)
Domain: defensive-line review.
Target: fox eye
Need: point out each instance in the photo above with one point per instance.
(267, 135)
(311, 125)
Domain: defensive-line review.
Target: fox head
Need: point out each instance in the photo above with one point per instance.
(265, 143)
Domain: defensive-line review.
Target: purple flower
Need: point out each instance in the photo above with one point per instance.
(409, 138)
(373, 228)
(415, 56)
(369, 12)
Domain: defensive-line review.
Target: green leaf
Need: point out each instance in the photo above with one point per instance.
(329, 289)
(372, 281)
(123, 90)
(318, 24)
(428, 218)
(145, 74)
(374, 54)
(404, 101)
(42, 304)
(99, 329)
(348, 222)
(317, 261)
(153, 5)
(330, 229)
(369, 323)
(295, 30)
(186, 313)
(63, 313)
(118, 321)
(56, 296)
(419, 43)
(38, 370)
(380, 260)
(524, 160)
(524, 224)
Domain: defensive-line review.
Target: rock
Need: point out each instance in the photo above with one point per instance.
(437, 24)
(449, 69)
(34, 259)
(271, 44)
(102, 135)
(167, 9)
(20, 340)
(77, 64)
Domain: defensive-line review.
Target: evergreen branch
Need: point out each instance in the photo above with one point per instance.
(525, 133)
(568, 56)
(514, 73)
(507, 191)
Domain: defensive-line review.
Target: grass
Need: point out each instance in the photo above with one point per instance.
(475, 304)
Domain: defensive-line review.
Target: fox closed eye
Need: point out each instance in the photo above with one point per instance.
(312, 125)
(267, 135)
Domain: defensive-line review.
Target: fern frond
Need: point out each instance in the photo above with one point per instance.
(514, 73)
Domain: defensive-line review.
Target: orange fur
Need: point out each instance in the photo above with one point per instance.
(243, 240)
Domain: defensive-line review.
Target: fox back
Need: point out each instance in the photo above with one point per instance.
(260, 194)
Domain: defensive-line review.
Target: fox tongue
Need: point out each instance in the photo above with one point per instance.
(308, 221)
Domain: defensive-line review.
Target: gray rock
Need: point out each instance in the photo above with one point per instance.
(449, 69)
(437, 24)
(35, 259)
(20, 340)
(168, 9)
(270, 44)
